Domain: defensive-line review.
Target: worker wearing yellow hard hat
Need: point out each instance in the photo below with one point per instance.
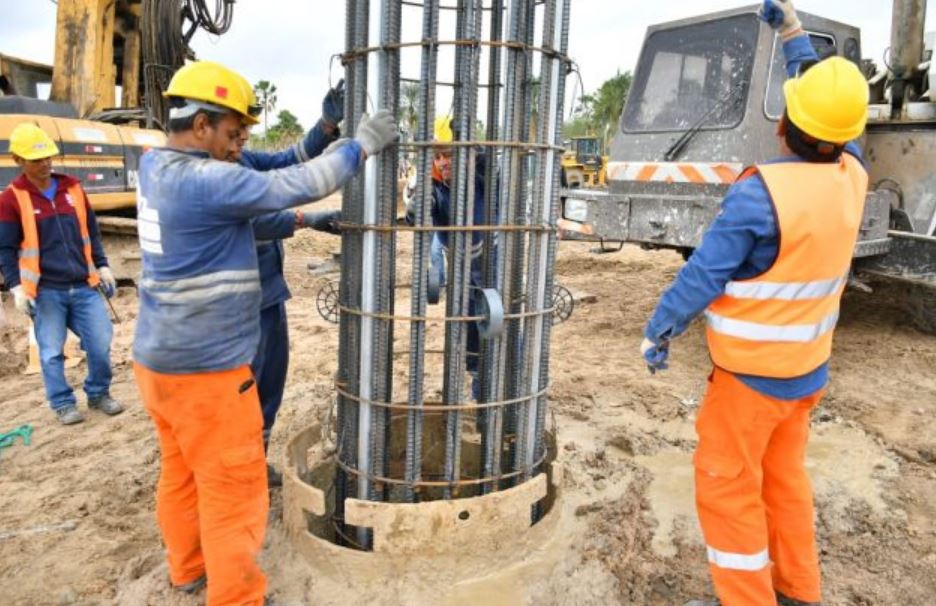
(441, 213)
(769, 276)
(29, 142)
(198, 327)
(829, 101)
(211, 83)
(54, 264)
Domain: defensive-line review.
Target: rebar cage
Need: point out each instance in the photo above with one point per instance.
(408, 430)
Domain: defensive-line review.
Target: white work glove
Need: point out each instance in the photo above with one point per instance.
(108, 281)
(377, 132)
(780, 15)
(22, 301)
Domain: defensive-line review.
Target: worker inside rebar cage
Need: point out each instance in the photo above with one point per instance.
(441, 214)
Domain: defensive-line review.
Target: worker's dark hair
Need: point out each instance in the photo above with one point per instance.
(808, 147)
(180, 125)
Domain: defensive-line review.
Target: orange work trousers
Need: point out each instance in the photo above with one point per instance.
(753, 496)
(211, 499)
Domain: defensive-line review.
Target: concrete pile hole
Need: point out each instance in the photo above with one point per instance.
(422, 469)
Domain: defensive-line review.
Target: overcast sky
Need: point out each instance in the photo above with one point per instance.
(289, 42)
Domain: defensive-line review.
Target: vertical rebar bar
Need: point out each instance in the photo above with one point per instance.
(459, 242)
(552, 89)
(349, 289)
(560, 69)
(516, 107)
(421, 242)
(491, 421)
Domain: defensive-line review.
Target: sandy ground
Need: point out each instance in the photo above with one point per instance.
(76, 505)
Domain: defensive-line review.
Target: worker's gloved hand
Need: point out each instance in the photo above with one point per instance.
(333, 104)
(23, 302)
(780, 15)
(655, 354)
(325, 220)
(377, 132)
(108, 282)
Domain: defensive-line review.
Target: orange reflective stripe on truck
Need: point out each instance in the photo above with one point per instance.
(718, 173)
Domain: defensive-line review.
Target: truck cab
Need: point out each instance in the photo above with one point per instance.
(706, 101)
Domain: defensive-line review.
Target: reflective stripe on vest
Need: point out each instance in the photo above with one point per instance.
(29, 248)
(780, 324)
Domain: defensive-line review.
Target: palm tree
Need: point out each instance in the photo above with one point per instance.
(409, 108)
(266, 97)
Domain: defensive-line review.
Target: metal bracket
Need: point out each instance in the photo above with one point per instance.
(489, 304)
(433, 287)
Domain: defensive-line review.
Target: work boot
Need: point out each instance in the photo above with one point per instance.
(69, 415)
(105, 404)
(715, 602)
(782, 600)
(192, 587)
(274, 478)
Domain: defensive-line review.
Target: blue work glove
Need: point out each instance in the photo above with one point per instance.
(325, 220)
(655, 354)
(781, 16)
(333, 104)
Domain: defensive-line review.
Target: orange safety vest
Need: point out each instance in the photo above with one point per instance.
(780, 323)
(29, 249)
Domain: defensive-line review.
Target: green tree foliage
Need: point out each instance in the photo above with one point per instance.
(284, 133)
(598, 113)
(409, 108)
(266, 97)
(287, 126)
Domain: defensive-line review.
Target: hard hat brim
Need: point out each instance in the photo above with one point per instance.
(38, 155)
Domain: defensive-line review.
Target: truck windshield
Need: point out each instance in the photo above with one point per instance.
(685, 71)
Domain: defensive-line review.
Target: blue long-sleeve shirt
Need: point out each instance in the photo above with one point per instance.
(200, 292)
(742, 243)
(270, 229)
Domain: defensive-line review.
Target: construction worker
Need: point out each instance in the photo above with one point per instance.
(441, 213)
(54, 264)
(769, 276)
(199, 322)
(272, 359)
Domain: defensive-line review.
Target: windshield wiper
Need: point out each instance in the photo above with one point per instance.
(680, 144)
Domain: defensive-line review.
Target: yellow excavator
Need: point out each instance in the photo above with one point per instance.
(101, 45)
(583, 164)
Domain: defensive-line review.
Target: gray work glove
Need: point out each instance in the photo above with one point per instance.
(108, 281)
(780, 15)
(376, 132)
(324, 220)
(22, 301)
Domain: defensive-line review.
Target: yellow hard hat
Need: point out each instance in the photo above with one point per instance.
(30, 142)
(829, 101)
(213, 83)
(443, 130)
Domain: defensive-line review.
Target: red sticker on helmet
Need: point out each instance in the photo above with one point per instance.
(221, 92)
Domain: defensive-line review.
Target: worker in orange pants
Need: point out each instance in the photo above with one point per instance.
(752, 493)
(199, 322)
(210, 428)
(769, 277)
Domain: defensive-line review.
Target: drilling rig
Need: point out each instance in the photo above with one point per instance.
(100, 45)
